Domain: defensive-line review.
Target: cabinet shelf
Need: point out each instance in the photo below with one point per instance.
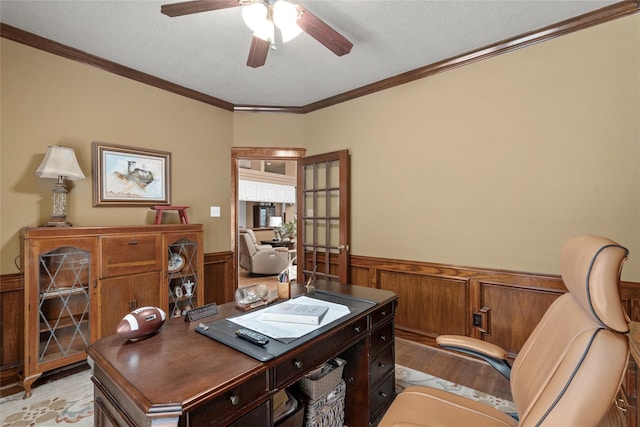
(65, 323)
(65, 292)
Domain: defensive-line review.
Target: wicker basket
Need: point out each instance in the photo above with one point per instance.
(322, 380)
(327, 411)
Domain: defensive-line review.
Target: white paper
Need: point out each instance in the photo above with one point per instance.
(277, 330)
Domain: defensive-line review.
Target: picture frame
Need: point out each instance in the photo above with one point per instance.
(129, 176)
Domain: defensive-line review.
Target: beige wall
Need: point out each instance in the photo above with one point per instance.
(268, 130)
(47, 100)
(493, 164)
(496, 163)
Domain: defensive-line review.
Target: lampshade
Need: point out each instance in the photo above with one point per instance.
(60, 162)
(275, 221)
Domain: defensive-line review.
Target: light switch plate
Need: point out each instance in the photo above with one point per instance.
(214, 211)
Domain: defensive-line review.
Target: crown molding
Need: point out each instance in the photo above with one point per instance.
(596, 17)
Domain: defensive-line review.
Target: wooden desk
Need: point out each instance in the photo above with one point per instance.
(180, 377)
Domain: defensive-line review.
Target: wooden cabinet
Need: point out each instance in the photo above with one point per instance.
(60, 278)
(80, 281)
(120, 295)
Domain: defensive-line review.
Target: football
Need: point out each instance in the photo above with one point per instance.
(141, 323)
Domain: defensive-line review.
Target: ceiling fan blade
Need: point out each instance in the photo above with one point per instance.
(320, 31)
(196, 6)
(258, 52)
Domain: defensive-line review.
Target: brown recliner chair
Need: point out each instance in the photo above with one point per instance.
(568, 371)
(260, 259)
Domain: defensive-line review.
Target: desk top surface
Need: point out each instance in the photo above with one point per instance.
(169, 367)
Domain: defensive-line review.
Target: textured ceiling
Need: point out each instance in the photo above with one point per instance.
(207, 52)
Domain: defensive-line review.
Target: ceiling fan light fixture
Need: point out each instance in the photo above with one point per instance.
(255, 15)
(266, 31)
(285, 16)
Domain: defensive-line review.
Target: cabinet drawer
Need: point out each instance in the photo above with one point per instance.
(382, 396)
(381, 366)
(230, 402)
(294, 366)
(381, 337)
(383, 313)
(122, 255)
(261, 416)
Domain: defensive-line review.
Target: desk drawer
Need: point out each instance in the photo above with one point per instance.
(382, 396)
(122, 255)
(381, 366)
(383, 313)
(380, 338)
(229, 402)
(295, 366)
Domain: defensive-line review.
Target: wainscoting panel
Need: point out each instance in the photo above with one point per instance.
(219, 277)
(510, 313)
(430, 305)
(11, 326)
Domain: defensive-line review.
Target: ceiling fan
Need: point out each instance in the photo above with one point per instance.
(261, 16)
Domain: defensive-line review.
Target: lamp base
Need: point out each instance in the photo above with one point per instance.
(57, 222)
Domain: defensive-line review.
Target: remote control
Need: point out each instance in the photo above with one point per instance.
(252, 337)
(201, 312)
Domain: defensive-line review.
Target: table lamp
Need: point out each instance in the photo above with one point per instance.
(276, 223)
(59, 163)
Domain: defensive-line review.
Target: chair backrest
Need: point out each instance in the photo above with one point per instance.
(247, 242)
(571, 367)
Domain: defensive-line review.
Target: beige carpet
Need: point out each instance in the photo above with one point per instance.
(69, 401)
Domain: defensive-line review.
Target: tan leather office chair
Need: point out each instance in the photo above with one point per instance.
(260, 259)
(568, 371)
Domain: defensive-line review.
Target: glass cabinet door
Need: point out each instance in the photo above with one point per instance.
(63, 303)
(183, 276)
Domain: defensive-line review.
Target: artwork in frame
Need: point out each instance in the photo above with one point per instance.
(128, 176)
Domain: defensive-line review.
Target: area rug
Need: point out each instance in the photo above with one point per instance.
(407, 376)
(67, 401)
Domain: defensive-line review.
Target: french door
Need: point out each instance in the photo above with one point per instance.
(323, 217)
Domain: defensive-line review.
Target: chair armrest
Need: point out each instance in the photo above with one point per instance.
(263, 247)
(494, 355)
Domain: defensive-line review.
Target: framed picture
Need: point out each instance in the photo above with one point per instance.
(128, 176)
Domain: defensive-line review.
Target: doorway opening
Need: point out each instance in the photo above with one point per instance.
(267, 176)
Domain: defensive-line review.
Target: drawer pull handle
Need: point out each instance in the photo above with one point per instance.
(383, 337)
(383, 394)
(357, 329)
(297, 364)
(382, 365)
(234, 399)
(384, 313)
(132, 242)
